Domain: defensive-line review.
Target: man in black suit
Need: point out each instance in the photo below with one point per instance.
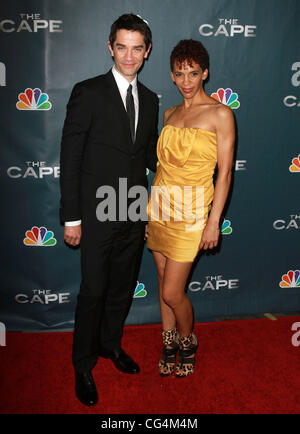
(110, 132)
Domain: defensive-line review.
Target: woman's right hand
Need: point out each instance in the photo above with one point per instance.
(146, 232)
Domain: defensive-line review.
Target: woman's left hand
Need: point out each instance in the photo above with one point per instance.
(210, 237)
(146, 232)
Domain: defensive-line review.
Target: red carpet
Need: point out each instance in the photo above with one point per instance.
(247, 366)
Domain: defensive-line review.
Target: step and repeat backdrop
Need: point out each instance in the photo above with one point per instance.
(254, 46)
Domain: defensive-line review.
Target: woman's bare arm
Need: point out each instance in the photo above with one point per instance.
(225, 130)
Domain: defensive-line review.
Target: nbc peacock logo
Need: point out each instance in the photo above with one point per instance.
(140, 291)
(39, 237)
(227, 97)
(33, 99)
(291, 279)
(226, 228)
(295, 166)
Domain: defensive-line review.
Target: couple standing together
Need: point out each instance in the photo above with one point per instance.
(110, 132)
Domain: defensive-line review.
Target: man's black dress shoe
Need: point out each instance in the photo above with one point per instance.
(85, 388)
(121, 360)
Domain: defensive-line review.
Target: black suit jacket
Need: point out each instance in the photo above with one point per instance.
(97, 148)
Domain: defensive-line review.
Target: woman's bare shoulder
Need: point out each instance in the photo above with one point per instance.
(168, 112)
(223, 112)
(219, 110)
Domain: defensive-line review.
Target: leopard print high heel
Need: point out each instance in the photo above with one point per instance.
(187, 350)
(166, 365)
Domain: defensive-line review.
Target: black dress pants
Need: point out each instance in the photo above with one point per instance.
(110, 260)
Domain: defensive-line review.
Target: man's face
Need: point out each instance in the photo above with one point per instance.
(129, 52)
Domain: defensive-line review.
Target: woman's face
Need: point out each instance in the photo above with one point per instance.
(189, 79)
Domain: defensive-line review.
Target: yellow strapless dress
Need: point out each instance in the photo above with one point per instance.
(182, 191)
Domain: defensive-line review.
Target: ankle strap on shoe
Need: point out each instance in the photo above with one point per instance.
(169, 336)
(188, 341)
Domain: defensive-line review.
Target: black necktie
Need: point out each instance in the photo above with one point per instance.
(130, 111)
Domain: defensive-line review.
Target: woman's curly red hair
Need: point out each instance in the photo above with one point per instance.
(191, 51)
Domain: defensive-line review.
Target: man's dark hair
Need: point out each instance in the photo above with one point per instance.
(130, 22)
(191, 51)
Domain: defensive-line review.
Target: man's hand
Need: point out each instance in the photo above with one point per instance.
(72, 235)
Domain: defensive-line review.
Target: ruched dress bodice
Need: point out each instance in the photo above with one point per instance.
(182, 191)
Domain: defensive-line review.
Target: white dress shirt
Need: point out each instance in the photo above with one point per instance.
(122, 84)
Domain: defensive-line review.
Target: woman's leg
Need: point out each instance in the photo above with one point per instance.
(176, 310)
(167, 316)
(175, 306)
(174, 296)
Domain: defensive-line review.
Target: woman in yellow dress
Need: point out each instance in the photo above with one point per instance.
(185, 207)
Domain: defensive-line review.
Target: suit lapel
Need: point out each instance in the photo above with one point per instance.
(141, 119)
